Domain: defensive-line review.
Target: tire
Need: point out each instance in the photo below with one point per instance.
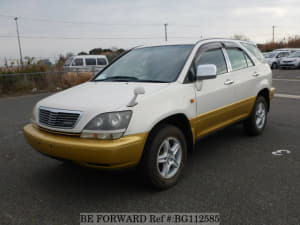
(256, 122)
(160, 147)
(274, 66)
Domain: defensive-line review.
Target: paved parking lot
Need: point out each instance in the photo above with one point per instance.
(287, 81)
(230, 173)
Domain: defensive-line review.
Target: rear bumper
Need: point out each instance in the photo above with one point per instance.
(123, 152)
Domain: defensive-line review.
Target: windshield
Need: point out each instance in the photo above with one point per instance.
(294, 55)
(149, 64)
(269, 54)
(68, 61)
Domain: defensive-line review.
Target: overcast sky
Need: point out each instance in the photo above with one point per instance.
(188, 20)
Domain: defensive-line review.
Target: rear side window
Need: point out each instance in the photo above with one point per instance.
(77, 62)
(237, 59)
(101, 62)
(249, 61)
(215, 57)
(255, 51)
(90, 61)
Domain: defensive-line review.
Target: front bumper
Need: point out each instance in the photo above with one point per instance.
(271, 93)
(123, 152)
(291, 66)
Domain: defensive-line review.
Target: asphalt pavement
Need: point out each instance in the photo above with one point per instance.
(287, 81)
(229, 173)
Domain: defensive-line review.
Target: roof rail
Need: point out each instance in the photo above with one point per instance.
(229, 39)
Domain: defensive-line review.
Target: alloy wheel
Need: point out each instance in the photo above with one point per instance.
(169, 157)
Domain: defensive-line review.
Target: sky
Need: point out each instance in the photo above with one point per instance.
(53, 27)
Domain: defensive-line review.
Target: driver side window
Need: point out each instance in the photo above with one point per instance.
(211, 56)
(214, 56)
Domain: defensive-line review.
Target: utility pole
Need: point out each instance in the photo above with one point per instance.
(166, 32)
(273, 28)
(21, 58)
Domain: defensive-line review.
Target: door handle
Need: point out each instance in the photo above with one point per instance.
(228, 82)
(255, 74)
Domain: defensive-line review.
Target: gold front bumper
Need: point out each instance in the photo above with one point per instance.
(272, 92)
(123, 152)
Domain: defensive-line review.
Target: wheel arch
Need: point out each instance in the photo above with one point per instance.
(265, 92)
(179, 120)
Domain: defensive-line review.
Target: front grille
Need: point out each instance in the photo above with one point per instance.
(58, 118)
(59, 132)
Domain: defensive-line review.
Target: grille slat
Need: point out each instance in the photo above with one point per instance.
(57, 118)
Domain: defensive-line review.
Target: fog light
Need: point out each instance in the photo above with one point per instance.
(101, 136)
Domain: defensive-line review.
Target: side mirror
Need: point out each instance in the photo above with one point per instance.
(206, 71)
(139, 91)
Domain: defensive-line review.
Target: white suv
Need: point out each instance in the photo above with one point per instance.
(149, 106)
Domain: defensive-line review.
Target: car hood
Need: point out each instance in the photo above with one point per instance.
(99, 96)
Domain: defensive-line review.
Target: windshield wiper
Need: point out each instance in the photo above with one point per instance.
(128, 78)
(119, 78)
(152, 81)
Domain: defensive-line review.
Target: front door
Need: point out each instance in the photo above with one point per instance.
(214, 97)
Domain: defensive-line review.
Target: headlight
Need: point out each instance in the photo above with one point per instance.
(107, 125)
(33, 115)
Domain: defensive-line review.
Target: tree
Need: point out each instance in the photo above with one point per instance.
(29, 60)
(96, 51)
(121, 50)
(82, 53)
(69, 54)
(60, 62)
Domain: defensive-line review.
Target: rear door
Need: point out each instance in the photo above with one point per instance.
(245, 73)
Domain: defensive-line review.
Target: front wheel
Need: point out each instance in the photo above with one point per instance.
(164, 157)
(274, 66)
(256, 122)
